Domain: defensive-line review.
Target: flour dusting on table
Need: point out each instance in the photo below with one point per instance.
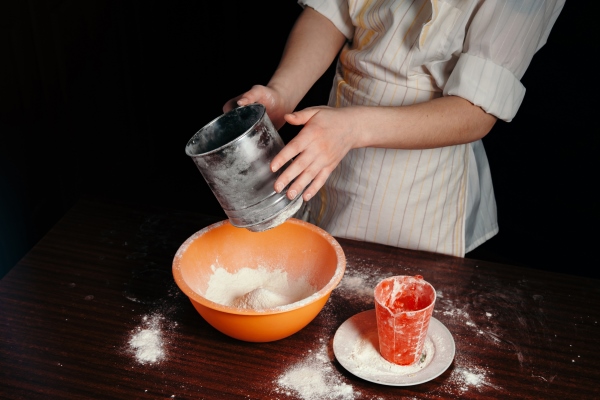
(314, 378)
(356, 289)
(358, 284)
(147, 340)
(467, 374)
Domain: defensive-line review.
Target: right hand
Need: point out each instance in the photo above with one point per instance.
(270, 98)
(328, 134)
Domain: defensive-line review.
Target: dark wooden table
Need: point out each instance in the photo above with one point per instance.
(69, 308)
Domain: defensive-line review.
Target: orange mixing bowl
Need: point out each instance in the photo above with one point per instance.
(302, 250)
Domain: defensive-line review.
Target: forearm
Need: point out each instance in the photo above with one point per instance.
(312, 45)
(329, 133)
(444, 121)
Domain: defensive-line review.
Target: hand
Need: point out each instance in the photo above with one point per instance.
(270, 98)
(327, 136)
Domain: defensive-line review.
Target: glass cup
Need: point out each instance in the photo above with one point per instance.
(403, 306)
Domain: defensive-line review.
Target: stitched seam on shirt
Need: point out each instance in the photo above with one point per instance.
(366, 191)
(348, 222)
(449, 182)
(399, 48)
(437, 201)
(458, 237)
(427, 26)
(371, 203)
(387, 184)
(398, 195)
(432, 180)
(393, 36)
(408, 198)
(334, 194)
(416, 209)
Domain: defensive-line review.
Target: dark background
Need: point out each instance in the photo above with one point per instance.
(100, 97)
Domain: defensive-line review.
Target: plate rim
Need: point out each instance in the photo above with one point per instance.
(446, 335)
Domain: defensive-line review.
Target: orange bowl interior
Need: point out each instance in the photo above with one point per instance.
(297, 247)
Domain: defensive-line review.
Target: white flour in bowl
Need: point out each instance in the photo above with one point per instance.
(258, 289)
(262, 299)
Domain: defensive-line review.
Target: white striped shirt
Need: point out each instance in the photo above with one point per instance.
(402, 52)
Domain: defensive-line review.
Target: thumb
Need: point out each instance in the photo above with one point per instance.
(301, 117)
(230, 105)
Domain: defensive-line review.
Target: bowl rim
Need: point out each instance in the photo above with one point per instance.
(324, 291)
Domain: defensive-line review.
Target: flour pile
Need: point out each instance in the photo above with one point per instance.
(369, 361)
(315, 379)
(262, 299)
(258, 289)
(147, 341)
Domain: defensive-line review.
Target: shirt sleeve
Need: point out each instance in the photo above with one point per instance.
(499, 44)
(336, 11)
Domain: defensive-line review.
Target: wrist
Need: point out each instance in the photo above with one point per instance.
(362, 126)
(286, 94)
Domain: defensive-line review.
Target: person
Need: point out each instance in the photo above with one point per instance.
(396, 156)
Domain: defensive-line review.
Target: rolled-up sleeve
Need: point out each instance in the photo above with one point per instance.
(501, 40)
(336, 11)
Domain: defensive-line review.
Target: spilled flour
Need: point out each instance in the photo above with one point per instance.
(358, 284)
(258, 289)
(147, 341)
(368, 359)
(466, 375)
(316, 374)
(314, 378)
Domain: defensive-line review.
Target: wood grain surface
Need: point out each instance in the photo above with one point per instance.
(69, 308)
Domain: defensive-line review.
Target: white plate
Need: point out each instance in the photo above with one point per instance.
(356, 347)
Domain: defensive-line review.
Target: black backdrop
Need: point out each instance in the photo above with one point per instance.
(100, 97)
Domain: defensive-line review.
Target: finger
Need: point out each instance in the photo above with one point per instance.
(291, 172)
(253, 95)
(301, 171)
(291, 150)
(300, 183)
(294, 147)
(301, 117)
(309, 181)
(315, 186)
(243, 101)
(231, 104)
